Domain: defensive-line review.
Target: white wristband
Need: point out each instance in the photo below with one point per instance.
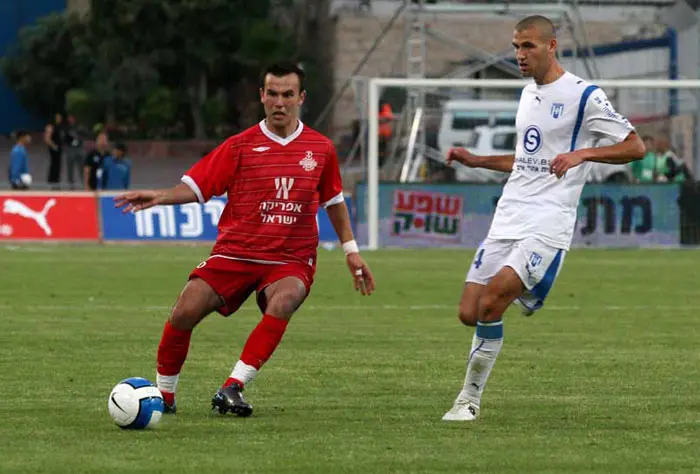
(350, 247)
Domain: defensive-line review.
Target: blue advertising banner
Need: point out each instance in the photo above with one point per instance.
(609, 215)
(182, 222)
(187, 222)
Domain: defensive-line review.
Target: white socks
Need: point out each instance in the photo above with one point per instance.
(244, 372)
(167, 383)
(486, 345)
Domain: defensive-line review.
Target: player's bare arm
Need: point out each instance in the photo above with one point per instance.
(630, 149)
(340, 218)
(497, 163)
(139, 200)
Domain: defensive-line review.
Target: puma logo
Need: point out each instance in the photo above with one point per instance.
(20, 209)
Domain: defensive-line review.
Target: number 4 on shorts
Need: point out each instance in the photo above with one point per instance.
(478, 259)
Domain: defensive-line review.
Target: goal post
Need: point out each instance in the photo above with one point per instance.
(377, 85)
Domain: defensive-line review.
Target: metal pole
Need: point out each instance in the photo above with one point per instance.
(373, 168)
(410, 149)
(516, 83)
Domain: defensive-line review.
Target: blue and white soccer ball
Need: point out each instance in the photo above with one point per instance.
(135, 403)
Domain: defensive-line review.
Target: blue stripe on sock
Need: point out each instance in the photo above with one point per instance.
(481, 344)
(489, 330)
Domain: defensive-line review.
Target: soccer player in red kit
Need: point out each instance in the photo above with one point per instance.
(276, 174)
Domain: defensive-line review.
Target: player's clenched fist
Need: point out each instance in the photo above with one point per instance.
(461, 155)
(565, 161)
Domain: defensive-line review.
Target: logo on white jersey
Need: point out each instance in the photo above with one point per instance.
(12, 206)
(261, 149)
(532, 139)
(308, 163)
(535, 259)
(283, 186)
(557, 109)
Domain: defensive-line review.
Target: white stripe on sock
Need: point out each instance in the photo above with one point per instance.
(243, 372)
(167, 383)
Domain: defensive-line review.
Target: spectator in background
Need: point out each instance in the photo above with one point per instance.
(54, 137)
(75, 153)
(92, 168)
(386, 129)
(19, 162)
(116, 169)
(670, 167)
(644, 170)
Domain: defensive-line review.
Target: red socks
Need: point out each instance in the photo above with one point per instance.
(263, 341)
(172, 352)
(259, 347)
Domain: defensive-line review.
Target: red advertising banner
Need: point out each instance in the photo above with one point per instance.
(34, 216)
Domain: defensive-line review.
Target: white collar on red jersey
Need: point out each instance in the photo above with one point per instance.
(276, 138)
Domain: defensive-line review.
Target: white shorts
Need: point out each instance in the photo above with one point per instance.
(536, 263)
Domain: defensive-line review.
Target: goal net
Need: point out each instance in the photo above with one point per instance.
(410, 198)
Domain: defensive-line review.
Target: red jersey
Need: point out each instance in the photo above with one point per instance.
(274, 187)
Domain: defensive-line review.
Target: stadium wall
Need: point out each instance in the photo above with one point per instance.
(609, 215)
(413, 215)
(92, 217)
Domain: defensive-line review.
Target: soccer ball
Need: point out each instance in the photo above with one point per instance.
(135, 403)
(26, 179)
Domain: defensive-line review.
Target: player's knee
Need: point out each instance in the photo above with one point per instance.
(491, 306)
(185, 316)
(468, 316)
(283, 304)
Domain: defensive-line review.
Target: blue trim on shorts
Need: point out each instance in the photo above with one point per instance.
(542, 288)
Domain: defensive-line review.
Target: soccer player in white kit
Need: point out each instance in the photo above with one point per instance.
(562, 120)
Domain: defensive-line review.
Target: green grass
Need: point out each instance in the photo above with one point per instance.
(604, 379)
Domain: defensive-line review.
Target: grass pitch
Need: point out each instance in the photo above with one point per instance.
(604, 379)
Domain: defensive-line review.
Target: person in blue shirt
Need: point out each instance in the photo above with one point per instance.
(19, 162)
(116, 169)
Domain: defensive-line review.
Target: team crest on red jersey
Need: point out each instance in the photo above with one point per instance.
(308, 163)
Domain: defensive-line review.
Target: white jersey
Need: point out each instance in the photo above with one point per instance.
(565, 115)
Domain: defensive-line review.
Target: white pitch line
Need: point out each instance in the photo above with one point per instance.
(89, 307)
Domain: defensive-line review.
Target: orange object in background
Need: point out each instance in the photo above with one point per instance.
(386, 119)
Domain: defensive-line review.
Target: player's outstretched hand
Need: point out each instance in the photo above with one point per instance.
(364, 280)
(137, 200)
(564, 162)
(461, 155)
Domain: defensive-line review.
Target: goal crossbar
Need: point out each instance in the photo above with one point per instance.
(373, 94)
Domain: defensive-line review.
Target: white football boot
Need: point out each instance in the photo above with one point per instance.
(462, 410)
(524, 310)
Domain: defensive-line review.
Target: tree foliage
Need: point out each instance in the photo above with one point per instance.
(126, 55)
(46, 62)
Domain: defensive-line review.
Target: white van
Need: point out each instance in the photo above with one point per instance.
(460, 118)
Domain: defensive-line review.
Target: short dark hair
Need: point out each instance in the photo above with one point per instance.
(283, 68)
(120, 146)
(544, 24)
(19, 134)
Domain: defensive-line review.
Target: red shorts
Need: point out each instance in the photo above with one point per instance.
(235, 280)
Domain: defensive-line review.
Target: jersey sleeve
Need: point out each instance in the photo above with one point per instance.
(212, 175)
(331, 185)
(603, 121)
